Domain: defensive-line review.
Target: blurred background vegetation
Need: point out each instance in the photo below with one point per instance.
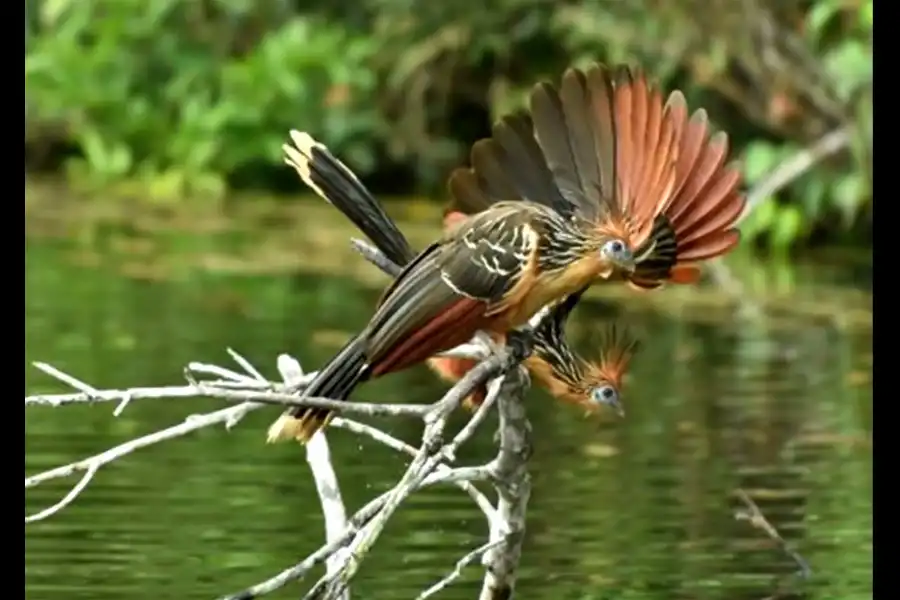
(163, 227)
(183, 100)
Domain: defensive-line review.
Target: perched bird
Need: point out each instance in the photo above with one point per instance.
(552, 363)
(491, 273)
(606, 148)
(569, 377)
(556, 367)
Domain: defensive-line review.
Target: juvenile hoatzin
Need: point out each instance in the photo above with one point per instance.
(552, 363)
(491, 273)
(556, 367)
(606, 148)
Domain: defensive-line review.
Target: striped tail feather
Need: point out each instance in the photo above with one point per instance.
(336, 381)
(339, 186)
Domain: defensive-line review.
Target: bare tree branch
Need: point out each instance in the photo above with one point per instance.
(793, 168)
(212, 390)
(755, 517)
(461, 564)
(318, 456)
(348, 541)
(510, 475)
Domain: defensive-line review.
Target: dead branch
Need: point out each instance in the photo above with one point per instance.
(349, 541)
(757, 520)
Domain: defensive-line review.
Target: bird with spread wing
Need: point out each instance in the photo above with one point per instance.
(606, 147)
(552, 363)
(491, 273)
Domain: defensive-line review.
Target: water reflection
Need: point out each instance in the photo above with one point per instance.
(777, 405)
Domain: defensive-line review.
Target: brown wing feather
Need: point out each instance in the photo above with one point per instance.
(493, 171)
(507, 166)
(466, 195)
(555, 132)
(533, 179)
(575, 100)
(478, 261)
(454, 325)
(602, 121)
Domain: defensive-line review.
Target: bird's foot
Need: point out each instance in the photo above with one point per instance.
(520, 343)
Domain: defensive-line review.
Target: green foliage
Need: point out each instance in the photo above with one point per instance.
(184, 93)
(184, 96)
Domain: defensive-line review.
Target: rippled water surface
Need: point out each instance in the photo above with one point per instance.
(773, 397)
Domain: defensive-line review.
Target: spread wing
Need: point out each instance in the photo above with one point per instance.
(448, 291)
(507, 166)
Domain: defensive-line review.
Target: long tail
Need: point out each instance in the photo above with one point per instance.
(336, 184)
(336, 381)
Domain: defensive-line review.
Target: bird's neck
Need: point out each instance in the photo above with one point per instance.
(567, 245)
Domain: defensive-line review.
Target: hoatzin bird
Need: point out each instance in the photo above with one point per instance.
(556, 367)
(552, 362)
(606, 148)
(491, 273)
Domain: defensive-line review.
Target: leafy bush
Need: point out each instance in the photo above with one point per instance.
(188, 92)
(194, 93)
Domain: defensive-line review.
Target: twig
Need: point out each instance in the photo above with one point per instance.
(93, 463)
(376, 257)
(461, 564)
(756, 519)
(425, 461)
(68, 498)
(460, 477)
(208, 390)
(245, 364)
(798, 164)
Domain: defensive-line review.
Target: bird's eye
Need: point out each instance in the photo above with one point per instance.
(616, 248)
(606, 394)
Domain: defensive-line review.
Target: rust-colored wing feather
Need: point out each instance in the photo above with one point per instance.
(645, 151)
(698, 220)
(455, 324)
(619, 155)
(706, 201)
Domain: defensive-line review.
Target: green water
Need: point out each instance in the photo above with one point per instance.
(772, 397)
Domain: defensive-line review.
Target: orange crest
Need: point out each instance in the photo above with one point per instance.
(617, 348)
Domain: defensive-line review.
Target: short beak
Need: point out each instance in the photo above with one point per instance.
(620, 410)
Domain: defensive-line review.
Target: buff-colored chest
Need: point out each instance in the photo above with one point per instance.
(537, 289)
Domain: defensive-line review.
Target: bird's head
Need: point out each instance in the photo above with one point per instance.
(603, 378)
(601, 382)
(592, 385)
(615, 244)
